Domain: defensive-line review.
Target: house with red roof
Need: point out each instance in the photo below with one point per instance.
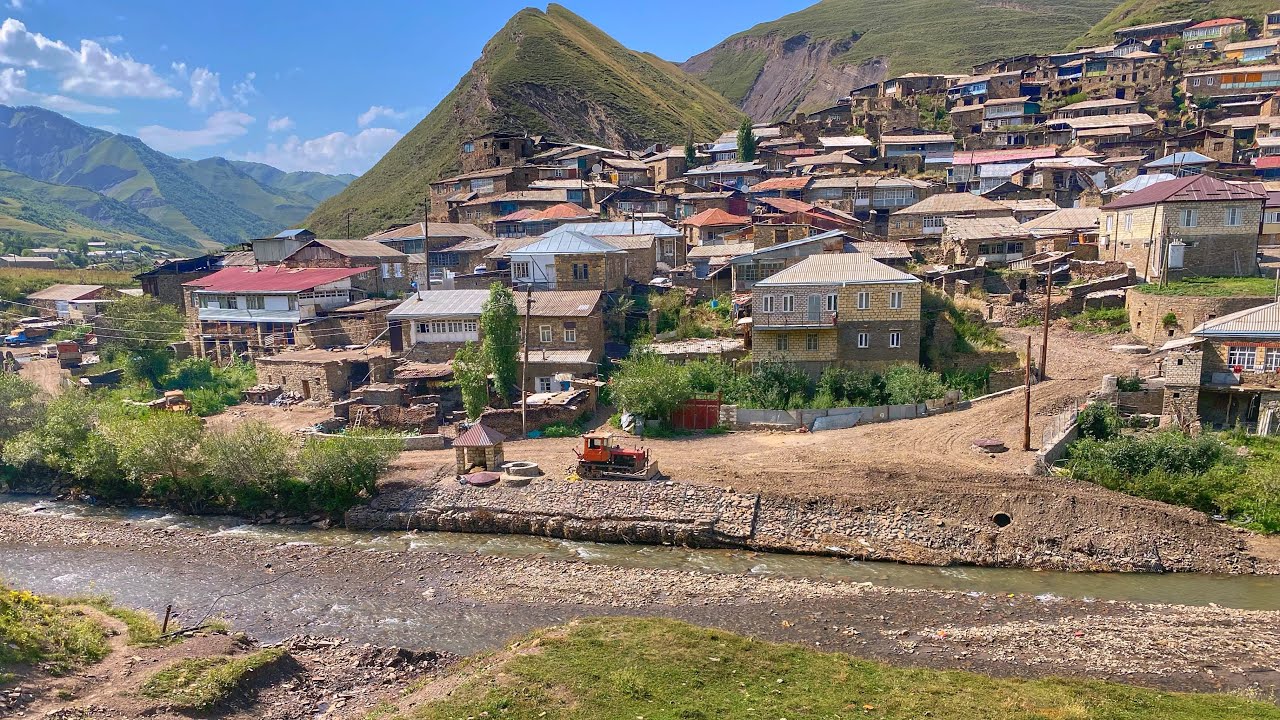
(1194, 225)
(1212, 33)
(529, 222)
(252, 309)
(710, 226)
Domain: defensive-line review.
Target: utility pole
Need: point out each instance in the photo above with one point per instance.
(1026, 413)
(348, 224)
(1044, 348)
(524, 370)
(426, 236)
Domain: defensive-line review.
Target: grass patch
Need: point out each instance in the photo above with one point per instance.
(1214, 287)
(144, 629)
(626, 668)
(203, 683)
(1101, 321)
(35, 630)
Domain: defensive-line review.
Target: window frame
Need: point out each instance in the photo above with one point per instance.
(864, 340)
(544, 334)
(864, 299)
(1188, 217)
(895, 299)
(788, 303)
(895, 338)
(1242, 356)
(782, 343)
(811, 342)
(571, 334)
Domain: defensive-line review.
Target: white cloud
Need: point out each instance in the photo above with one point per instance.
(110, 39)
(91, 70)
(333, 153)
(206, 89)
(368, 117)
(15, 4)
(13, 89)
(220, 127)
(280, 124)
(243, 90)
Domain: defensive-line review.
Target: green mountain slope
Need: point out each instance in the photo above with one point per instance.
(51, 214)
(811, 57)
(1140, 12)
(224, 179)
(317, 186)
(551, 73)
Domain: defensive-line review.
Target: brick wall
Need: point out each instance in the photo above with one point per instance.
(1147, 312)
(1213, 247)
(1094, 269)
(605, 271)
(589, 331)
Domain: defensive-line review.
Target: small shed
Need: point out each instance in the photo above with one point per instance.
(480, 447)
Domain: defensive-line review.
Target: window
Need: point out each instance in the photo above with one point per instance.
(570, 334)
(895, 339)
(520, 270)
(255, 302)
(788, 303)
(811, 341)
(468, 147)
(1242, 357)
(1111, 222)
(895, 300)
(864, 300)
(933, 222)
(864, 340)
(542, 384)
(1235, 216)
(386, 270)
(580, 271)
(424, 328)
(1128, 222)
(1188, 217)
(544, 333)
(293, 302)
(1273, 359)
(768, 303)
(833, 303)
(782, 343)
(1273, 216)
(398, 269)
(230, 302)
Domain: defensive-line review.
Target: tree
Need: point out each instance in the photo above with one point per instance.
(471, 374)
(344, 470)
(690, 153)
(907, 384)
(649, 386)
(746, 141)
(19, 408)
(500, 338)
(141, 328)
(248, 461)
(157, 445)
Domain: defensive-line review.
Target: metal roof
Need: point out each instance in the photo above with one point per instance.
(837, 269)
(626, 227)
(952, 203)
(882, 250)
(846, 141)
(563, 241)
(560, 303)
(293, 232)
(1181, 158)
(1193, 188)
(1066, 219)
(356, 249)
(715, 217)
(1259, 322)
(969, 228)
(413, 231)
(64, 292)
(479, 435)
(724, 250)
(442, 303)
(726, 167)
(820, 237)
(276, 278)
(627, 242)
(1139, 182)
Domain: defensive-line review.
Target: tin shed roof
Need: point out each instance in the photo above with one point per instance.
(837, 269)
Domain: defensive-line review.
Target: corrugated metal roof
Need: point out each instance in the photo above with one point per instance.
(838, 157)
(1181, 158)
(1035, 205)
(837, 269)
(966, 228)
(627, 242)
(1258, 322)
(480, 435)
(442, 303)
(726, 167)
(563, 357)
(565, 241)
(639, 227)
(1194, 188)
(883, 250)
(437, 229)
(1066, 219)
(820, 237)
(846, 141)
(725, 250)
(64, 292)
(560, 303)
(292, 232)
(1094, 122)
(715, 217)
(1091, 104)
(276, 278)
(952, 203)
(780, 183)
(982, 157)
(356, 249)
(928, 138)
(1139, 182)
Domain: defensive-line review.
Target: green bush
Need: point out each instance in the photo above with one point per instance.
(973, 383)
(1201, 473)
(1102, 321)
(1099, 421)
(343, 471)
(908, 384)
(649, 386)
(1128, 383)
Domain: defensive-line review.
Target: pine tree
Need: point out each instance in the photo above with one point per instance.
(746, 141)
(690, 153)
(500, 338)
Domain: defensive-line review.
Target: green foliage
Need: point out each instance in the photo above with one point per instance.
(857, 388)
(19, 408)
(1102, 321)
(34, 630)
(209, 388)
(1213, 287)
(564, 430)
(17, 283)
(500, 339)
(1059, 103)
(201, 684)
(778, 386)
(343, 471)
(247, 464)
(471, 375)
(746, 141)
(649, 386)
(1169, 320)
(908, 384)
(1099, 421)
(1169, 466)
(973, 383)
(1139, 12)
(690, 153)
(623, 668)
(157, 450)
(1128, 383)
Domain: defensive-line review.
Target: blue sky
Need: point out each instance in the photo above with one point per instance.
(313, 85)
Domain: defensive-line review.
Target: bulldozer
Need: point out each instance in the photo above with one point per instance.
(602, 459)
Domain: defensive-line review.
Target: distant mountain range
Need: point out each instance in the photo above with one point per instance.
(81, 181)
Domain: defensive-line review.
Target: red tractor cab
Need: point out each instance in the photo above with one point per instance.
(602, 459)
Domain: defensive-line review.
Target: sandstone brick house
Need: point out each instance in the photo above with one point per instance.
(255, 310)
(450, 193)
(846, 310)
(999, 240)
(748, 269)
(927, 218)
(568, 260)
(710, 226)
(325, 375)
(1211, 224)
(392, 280)
(1225, 374)
(570, 321)
(410, 238)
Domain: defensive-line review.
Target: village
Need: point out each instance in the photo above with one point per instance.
(1025, 319)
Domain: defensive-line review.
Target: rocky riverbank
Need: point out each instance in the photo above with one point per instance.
(464, 603)
(997, 529)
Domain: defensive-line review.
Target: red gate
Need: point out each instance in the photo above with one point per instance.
(697, 413)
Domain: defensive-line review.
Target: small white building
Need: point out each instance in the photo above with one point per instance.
(443, 318)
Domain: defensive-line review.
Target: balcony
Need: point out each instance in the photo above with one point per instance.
(255, 316)
(823, 320)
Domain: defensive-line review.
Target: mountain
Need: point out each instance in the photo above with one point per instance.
(1140, 12)
(317, 186)
(812, 57)
(53, 214)
(544, 72)
(206, 203)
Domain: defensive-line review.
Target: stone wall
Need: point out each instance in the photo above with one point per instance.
(605, 271)
(1147, 313)
(588, 333)
(321, 380)
(1095, 269)
(1113, 282)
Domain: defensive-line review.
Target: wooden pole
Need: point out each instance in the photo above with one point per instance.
(426, 237)
(168, 610)
(524, 370)
(1026, 413)
(1044, 347)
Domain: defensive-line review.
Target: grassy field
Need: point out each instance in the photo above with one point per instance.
(17, 283)
(629, 668)
(203, 683)
(1215, 287)
(35, 630)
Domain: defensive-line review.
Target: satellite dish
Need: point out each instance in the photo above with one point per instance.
(597, 168)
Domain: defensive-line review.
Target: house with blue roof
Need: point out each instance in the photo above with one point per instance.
(568, 260)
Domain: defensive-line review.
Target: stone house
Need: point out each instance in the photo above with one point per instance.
(60, 299)
(526, 222)
(916, 142)
(448, 194)
(624, 172)
(844, 310)
(256, 310)
(629, 202)
(1104, 106)
(1227, 82)
(359, 323)
(1196, 225)
(748, 269)
(667, 165)
(325, 375)
(1226, 374)
(1212, 33)
(565, 320)
(410, 238)
(568, 260)
(927, 218)
(710, 226)
(993, 240)
(392, 280)
(495, 149)
(1156, 319)
(642, 255)
(164, 281)
(733, 202)
(740, 175)
(433, 324)
(483, 211)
